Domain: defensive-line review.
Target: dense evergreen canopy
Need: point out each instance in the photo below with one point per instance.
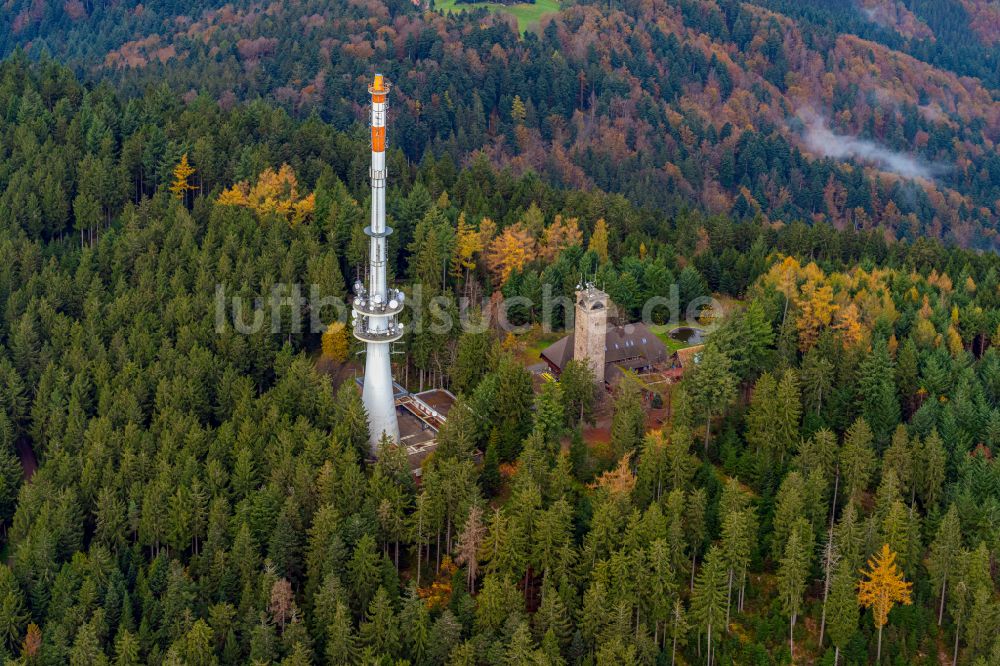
(201, 497)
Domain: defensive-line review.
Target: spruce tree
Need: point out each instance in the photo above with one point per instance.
(842, 609)
(380, 629)
(341, 643)
(711, 386)
(708, 601)
(792, 574)
(857, 459)
(944, 554)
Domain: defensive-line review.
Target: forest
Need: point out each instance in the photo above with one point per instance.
(881, 115)
(826, 490)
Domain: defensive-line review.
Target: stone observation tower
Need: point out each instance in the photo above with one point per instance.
(376, 306)
(591, 328)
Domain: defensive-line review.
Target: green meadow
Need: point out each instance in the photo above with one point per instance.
(527, 14)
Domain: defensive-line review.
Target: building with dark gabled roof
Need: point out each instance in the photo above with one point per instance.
(629, 347)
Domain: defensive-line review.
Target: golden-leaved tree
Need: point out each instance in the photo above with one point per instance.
(882, 588)
(182, 175)
(561, 234)
(599, 240)
(335, 342)
(816, 308)
(510, 251)
(468, 244)
(275, 193)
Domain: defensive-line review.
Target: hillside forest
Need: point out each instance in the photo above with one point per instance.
(878, 114)
(825, 491)
(201, 497)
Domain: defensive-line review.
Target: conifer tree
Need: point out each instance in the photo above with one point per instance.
(983, 618)
(789, 411)
(944, 555)
(497, 602)
(789, 505)
(380, 629)
(678, 629)
(830, 557)
(473, 354)
(341, 643)
(760, 416)
(817, 380)
(792, 574)
(550, 416)
(628, 421)
(857, 459)
(900, 458)
(182, 175)
(469, 543)
(363, 571)
(553, 617)
(738, 527)
(708, 601)
(932, 465)
(882, 588)
(599, 241)
(579, 387)
(842, 609)
(959, 603)
(877, 394)
(694, 525)
(711, 386)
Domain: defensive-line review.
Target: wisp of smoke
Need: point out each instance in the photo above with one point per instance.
(821, 139)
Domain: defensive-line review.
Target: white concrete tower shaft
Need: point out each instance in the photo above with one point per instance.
(376, 306)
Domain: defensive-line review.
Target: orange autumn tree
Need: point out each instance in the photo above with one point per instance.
(561, 234)
(816, 311)
(510, 251)
(275, 193)
(32, 644)
(882, 588)
(848, 323)
(620, 481)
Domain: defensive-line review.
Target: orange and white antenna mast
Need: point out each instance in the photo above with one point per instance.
(377, 307)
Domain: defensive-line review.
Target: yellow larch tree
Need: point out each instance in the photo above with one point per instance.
(816, 308)
(619, 481)
(882, 588)
(599, 240)
(561, 234)
(276, 192)
(954, 339)
(335, 342)
(510, 251)
(233, 196)
(511, 345)
(784, 277)
(487, 232)
(518, 112)
(468, 244)
(182, 174)
(848, 323)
